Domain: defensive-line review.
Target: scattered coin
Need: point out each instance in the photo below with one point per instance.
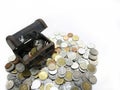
(86, 85)
(20, 67)
(92, 79)
(93, 51)
(24, 87)
(59, 81)
(91, 68)
(75, 38)
(68, 76)
(71, 67)
(70, 35)
(61, 62)
(9, 84)
(43, 75)
(52, 66)
(36, 84)
(92, 57)
(75, 65)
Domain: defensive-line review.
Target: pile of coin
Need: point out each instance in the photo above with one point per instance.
(71, 67)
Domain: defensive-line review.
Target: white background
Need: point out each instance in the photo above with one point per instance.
(96, 21)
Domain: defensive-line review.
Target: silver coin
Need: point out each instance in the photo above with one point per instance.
(62, 70)
(11, 58)
(11, 76)
(63, 53)
(91, 45)
(64, 44)
(52, 77)
(75, 65)
(83, 64)
(36, 84)
(92, 57)
(78, 83)
(17, 82)
(76, 75)
(93, 62)
(69, 62)
(81, 50)
(9, 84)
(47, 81)
(71, 55)
(26, 57)
(92, 79)
(58, 42)
(20, 67)
(93, 51)
(34, 71)
(53, 72)
(28, 81)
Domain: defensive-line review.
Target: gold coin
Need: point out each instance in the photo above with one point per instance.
(91, 68)
(48, 86)
(33, 51)
(59, 81)
(61, 62)
(43, 75)
(50, 61)
(65, 37)
(75, 38)
(68, 76)
(24, 87)
(75, 88)
(54, 55)
(86, 85)
(20, 76)
(14, 71)
(26, 73)
(42, 87)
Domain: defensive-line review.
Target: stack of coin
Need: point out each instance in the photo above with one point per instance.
(71, 67)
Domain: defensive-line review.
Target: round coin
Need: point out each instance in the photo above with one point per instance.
(75, 65)
(81, 50)
(92, 79)
(68, 76)
(59, 81)
(24, 87)
(92, 57)
(20, 67)
(43, 75)
(76, 75)
(75, 38)
(9, 84)
(48, 86)
(93, 51)
(91, 68)
(70, 35)
(51, 66)
(61, 62)
(86, 85)
(75, 88)
(36, 84)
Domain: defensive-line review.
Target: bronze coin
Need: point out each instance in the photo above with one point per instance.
(8, 65)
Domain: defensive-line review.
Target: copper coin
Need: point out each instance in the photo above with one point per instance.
(16, 61)
(70, 35)
(8, 65)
